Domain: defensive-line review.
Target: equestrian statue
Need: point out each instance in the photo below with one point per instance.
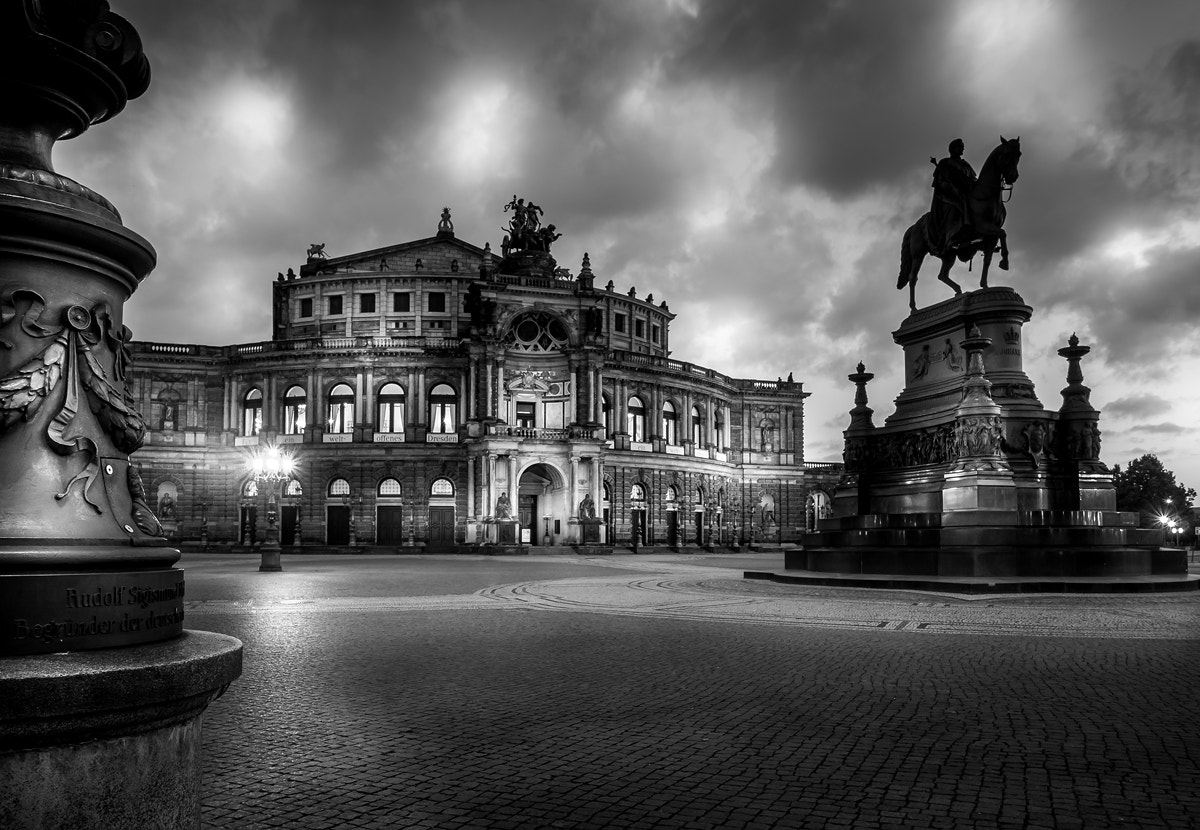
(966, 216)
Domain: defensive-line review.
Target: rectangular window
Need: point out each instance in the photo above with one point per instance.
(391, 416)
(639, 328)
(436, 324)
(341, 417)
(366, 303)
(525, 414)
(398, 324)
(295, 418)
(442, 418)
(306, 306)
(636, 424)
(252, 419)
(619, 323)
(437, 300)
(335, 304)
(654, 333)
(400, 302)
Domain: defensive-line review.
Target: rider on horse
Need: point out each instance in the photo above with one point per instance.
(953, 179)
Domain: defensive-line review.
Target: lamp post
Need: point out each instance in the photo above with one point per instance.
(271, 468)
(203, 508)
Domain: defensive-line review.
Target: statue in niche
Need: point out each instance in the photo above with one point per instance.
(587, 507)
(595, 322)
(766, 507)
(503, 507)
(166, 507)
(766, 431)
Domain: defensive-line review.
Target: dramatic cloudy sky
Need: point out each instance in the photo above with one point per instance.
(753, 163)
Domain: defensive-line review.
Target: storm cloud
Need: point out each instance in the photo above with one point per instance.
(753, 164)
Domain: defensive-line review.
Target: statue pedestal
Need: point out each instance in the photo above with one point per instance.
(506, 532)
(589, 531)
(971, 476)
(111, 738)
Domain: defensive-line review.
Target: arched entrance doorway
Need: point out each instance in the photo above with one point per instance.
(542, 508)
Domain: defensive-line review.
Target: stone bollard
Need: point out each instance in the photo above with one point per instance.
(101, 688)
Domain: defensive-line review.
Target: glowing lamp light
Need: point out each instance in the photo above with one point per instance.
(271, 465)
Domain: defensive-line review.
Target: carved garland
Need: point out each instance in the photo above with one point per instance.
(71, 354)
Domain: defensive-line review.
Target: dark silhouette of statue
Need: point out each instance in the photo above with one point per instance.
(949, 214)
(966, 218)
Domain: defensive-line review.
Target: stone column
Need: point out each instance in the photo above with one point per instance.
(472, 387)
(101, 688)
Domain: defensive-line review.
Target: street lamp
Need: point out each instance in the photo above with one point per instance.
(203, 507)
(271, 468)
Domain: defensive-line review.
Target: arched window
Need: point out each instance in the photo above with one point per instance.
(293, 489)
(391, 409)
(670, 423)
(252, 406)
(697, 427)
(443, 409)
(341, 409)
(671, 497)
(250, 491)
(442, 487)
(637, 493)
(339, 487)
(636, 426)
(390, 487)
(719, 429)
(295, 411)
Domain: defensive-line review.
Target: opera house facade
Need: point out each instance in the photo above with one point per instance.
(429, 393)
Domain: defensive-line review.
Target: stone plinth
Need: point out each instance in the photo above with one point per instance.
(506, 532)
(109, 739)
(589, 530)
(971, 475)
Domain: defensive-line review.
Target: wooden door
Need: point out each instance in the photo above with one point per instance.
(337, 524)
(527, 516)
(672, 528)
(390, 525)
(290, 514)
(441, 527)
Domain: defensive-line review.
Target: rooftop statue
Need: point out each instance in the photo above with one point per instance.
(525, 231)
(317, 251)
(966, 216)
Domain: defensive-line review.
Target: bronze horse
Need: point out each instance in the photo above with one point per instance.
(985, 225)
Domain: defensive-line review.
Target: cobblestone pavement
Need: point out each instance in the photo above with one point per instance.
(665, 692)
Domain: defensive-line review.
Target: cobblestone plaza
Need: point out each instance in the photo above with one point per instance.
(664, 691)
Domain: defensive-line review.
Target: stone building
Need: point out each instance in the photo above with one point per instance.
(416, 385)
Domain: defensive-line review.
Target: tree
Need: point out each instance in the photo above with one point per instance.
(1149, 488)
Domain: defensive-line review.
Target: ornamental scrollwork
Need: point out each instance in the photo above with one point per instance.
(70, 357)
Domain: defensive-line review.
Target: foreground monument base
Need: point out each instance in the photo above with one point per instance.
(971, 477)
(109, 738)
